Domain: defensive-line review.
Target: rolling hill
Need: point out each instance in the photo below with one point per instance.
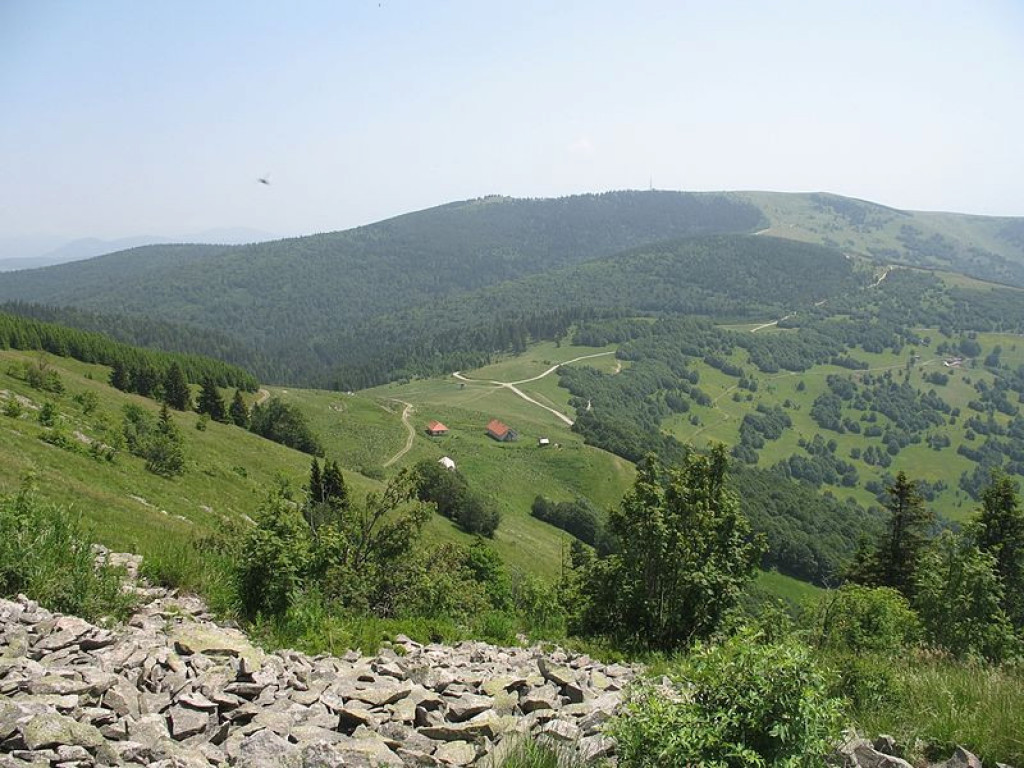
(497, 270)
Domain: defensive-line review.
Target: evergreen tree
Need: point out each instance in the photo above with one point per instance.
(316, 483)
(999, 531)
(164, 451)
(176, 391)
(210, 401)
(119, 378)
(238, 411)
(145, 380)
(906, 537)
(335, 491)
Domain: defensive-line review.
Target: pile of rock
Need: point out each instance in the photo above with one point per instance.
(885, 752)
(172, 688)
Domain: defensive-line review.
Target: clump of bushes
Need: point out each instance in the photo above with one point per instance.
(45, 553)
(450, 492)
(742, 702)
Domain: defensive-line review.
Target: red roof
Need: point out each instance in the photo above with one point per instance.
(496, 428)
(436, 426)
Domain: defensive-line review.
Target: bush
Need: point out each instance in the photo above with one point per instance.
(45, 553)
(863, 619)
(284, 423)
(740, 703)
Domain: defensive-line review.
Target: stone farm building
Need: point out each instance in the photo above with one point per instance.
(501, 432)
(436, 429)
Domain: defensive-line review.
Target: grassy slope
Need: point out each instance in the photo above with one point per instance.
(228, 469)
(721, 421)
(365, 430)
(798, 217)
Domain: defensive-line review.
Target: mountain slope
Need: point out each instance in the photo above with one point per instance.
(988, 247)
(278, 295)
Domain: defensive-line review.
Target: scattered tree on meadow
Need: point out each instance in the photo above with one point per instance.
(283, 423)
(119, 377)
(238, 411)
(175, 386)
(210, 401)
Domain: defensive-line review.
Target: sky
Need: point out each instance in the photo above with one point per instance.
(122, 118)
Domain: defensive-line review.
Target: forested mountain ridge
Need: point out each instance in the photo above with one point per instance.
(450, 286)
(279, 294)
(735, 277)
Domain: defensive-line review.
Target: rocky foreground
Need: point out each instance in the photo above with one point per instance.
(173, 688)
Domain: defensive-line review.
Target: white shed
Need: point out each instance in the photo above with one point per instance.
(447, 463)
(543, 441)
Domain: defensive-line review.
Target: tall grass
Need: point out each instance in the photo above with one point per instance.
(946, 703)
(45, 553)
(542, 753)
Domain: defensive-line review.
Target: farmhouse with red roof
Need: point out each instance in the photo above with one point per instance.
(501, 432)
(436, 429)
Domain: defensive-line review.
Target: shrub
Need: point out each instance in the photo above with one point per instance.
(45, 553)
(863, 619)
(284, 423)
(740, 703)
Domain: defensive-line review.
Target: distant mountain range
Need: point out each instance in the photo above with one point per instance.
(384, 298)
(33, 252)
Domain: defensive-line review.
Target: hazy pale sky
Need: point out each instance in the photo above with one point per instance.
(122, 118)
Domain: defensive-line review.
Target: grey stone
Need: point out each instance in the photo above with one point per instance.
(51, 730)
(962, 759)
(265, 749)
(350, 753)
(186, 721)
(596, 747)
(539, 698)
(456, 753)
(562, 730)
(467, 706)
(384, 693)
(148, 729)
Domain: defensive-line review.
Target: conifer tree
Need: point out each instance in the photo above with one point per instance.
(906, 537)
(999, 531)
(119, 378)
(176, 391)
(316, 483)
(334, 489)
(210, 401)
(238, 411)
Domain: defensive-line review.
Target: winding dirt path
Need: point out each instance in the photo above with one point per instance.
(409, 437)
(511, 385)
(261, 396)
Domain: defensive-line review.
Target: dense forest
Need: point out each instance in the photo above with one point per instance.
(25, 334)
(282, 297)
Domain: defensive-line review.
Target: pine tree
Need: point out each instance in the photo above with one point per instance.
(119, 378)
(906, 537)
(238, 411)
(210, 401)
(316, 483)
(999, 531)
(334, 489)
(176, 391)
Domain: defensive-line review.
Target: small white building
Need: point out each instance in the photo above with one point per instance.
(447, 463)
(543, 441)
